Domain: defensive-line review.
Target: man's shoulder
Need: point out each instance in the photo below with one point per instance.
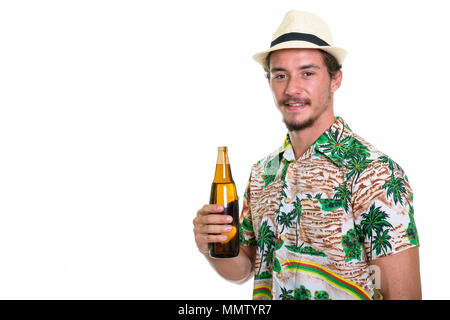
(369, 156)
(372, 151)
(351, 152)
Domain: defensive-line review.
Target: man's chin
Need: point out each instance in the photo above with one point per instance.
(300, 125)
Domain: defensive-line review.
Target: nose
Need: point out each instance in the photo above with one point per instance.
(293, 87)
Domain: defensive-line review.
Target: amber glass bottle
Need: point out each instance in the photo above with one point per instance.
(223, 192)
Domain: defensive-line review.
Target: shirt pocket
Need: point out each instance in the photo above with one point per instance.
(320, 227)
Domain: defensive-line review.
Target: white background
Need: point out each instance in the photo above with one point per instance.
(111, 113)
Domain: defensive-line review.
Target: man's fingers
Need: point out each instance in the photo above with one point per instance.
(210, 238)
(216, 219)
(209, 224)
(214, 228)
(210, 208)
(210, 216)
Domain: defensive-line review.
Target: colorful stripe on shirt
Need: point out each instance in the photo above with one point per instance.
(262, 291)
(327, 275)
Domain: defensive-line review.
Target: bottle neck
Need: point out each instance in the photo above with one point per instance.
(223, 170)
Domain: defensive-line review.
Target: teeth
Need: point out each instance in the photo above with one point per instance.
(295, 104)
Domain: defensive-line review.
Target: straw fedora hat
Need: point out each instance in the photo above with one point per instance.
(302, 30)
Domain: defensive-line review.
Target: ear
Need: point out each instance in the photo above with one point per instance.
(336, 81)
(267, 75)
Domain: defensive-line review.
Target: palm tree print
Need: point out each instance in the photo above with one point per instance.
(268, 257)
(382, 242)
(357, 150)
(344, 194)
(374, 221)
(396, 188)
(332, 145)
(265, 244)
(391, 164)
(285, 219)
(298, 212)
(356, 165)
(246, 225)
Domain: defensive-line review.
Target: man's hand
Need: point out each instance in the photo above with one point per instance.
(209, 224)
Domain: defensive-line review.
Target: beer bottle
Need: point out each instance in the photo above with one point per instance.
(223, 192)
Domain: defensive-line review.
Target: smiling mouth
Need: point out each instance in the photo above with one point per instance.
(296, 106)
(296, 102)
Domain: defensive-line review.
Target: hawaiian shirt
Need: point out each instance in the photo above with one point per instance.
(318, 221)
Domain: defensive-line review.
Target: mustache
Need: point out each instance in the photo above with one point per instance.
(292, 100)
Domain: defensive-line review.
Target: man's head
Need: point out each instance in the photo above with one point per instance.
(303, 69)
(302, 86)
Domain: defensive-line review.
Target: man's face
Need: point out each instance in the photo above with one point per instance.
(301, 86)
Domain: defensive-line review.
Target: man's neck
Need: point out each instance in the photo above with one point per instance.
(301, 140)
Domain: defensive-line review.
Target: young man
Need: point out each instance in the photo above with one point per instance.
(326, 214)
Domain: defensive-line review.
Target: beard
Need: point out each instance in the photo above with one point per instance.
(296, 126)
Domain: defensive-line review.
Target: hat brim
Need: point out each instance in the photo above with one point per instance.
(338, 53)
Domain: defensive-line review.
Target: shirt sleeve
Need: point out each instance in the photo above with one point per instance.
(246, 232)
(383, 209)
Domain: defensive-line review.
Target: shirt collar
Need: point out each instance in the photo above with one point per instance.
(329, 143)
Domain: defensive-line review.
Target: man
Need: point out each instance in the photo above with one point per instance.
(327, 213)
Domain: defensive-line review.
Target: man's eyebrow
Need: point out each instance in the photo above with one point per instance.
(277, 69)
(306, 66)
(309, 66)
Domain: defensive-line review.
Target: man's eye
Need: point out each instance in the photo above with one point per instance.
(279, 76)
(308, 74)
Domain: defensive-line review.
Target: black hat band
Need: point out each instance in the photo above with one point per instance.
(297, 36)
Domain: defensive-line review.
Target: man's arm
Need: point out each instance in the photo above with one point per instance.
(238, 269)
(208, 224)
(400, 275)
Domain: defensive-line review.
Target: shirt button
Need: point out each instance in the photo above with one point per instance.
(283, 237)
(279, 275)
(287, 200)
